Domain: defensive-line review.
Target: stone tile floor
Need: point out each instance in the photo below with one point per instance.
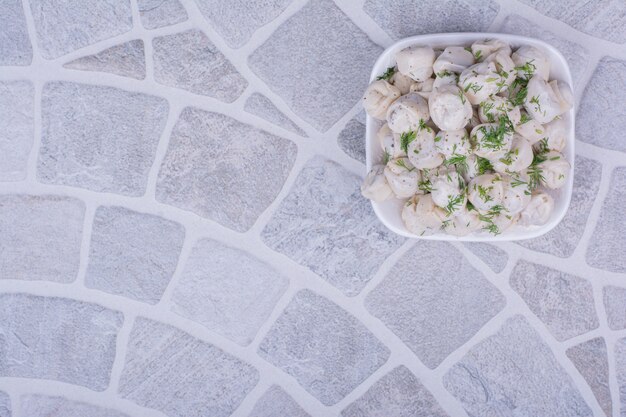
(181, 231)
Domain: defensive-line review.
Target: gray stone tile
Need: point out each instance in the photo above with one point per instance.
(237, 20)
(620, 370)
(326, 225)
(189, 60)
(169, 370)
(64, 26)
(604, 19)
(591, 361)
(562, 301)
(351, 139)
(606, 246)
(325, 61)
(615, 306)
(45, 406)
(328, 351)
(222, 169)
(100, 138)
(577, 56)
(41, 237)
(57, 338)
(126, 59)
(227, 290)
(490, 254)
(158, 13)
(605, 88)
(398, 394)
(15, 46)
(17, 106)
(434, 307)
(261, 106)
(514, 373)
(403, 18)
(5, 405)
(133, 254)
(276, 402)
(563, 239)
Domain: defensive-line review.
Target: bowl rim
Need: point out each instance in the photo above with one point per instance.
(438, 40)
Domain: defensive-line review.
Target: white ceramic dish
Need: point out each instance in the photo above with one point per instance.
(389, 211)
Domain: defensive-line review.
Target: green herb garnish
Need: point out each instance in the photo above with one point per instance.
(387, 74)
(406, 138)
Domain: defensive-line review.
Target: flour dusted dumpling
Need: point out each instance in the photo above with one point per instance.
(505, 70)
(490, 110)
(416, 62)
(449, 108)
(503, 221)
(485, 191)
(390, 142)
(492, 140)
(448, 191)
(402, 177)
(422, 151)
(421, 216)
(482, 49)
(378, 96)
(538, 211)
(402, 82)
(445, 78)
(516, 195)
(555, 170)
(375, 186)
(465, 222)
(530, 61)
(530, 129)
(556, 134)
(453, 143)
(479, 81)
(423, 88)
(405, 113)
(518, 158)
(453, 59)
(545, 101)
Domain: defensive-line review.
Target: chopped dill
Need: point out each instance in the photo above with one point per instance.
(406, 138)
(387, 74)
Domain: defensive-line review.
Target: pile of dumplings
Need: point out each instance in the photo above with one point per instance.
(472, 137)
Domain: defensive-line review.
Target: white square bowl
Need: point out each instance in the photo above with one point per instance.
(389, 212)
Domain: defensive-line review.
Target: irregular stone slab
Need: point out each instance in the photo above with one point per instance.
(100, 138)
(222, 169)
(434, 307)
(15, 46)
(326, 225)
(189, 60)
(237, 20)
(227, 290)
(490, 254)
(5, 405)
(562, 301)
(402, 18)
(17, 130)
(323, 56)
(615, 306)
(591, 361)
(261, 106)
(133, 254)
(276, 402)
(44, 406)
(514, 372)
(41, 237)
(126, 59)
(399, 393)
(351, 139)
(577, 56)
(328, 351)
(606, 247)
(64, 27)
(57, 338)
(563, 239)
(604, 19)
(179, 375)
(603, 90)
(158, 13)
(620, 370)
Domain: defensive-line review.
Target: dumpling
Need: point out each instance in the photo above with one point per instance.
(405, 114)
(530, 61)
(375, 186)
(390, 142)
(555, 170)
(421, 216)
(472, 168)
(449, 108)
(402, 82)
(490, 110)
(530, 129)
(479, 81)
(556, 134)
(505, 69)
(448, 191)
(518, 158)
(485, 191)
(453, 59)
(445, 78)
(492, 140)
(378, 96)
(538, 210)
(422, 151)
(475, 120)
(453, 143)
(516, 195)
(402, 177)
(545, 101)
(482, 49)
(464, 223)
(416, 62)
